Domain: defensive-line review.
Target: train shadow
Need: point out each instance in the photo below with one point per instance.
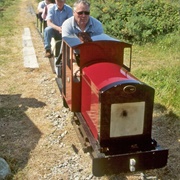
(18, 134)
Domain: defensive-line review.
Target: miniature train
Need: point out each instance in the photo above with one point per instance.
(113, 109)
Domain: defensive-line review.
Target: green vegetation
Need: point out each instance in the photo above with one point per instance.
(7, 17)
(137, 21)
(158, 65)
(153, 25)
(8, 28)
(162, 73)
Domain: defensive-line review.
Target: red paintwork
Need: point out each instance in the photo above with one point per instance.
(94, 78)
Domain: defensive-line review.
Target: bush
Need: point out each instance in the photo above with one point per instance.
(136, 21)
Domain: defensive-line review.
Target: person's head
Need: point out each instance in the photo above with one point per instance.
(49, 1)
(81, 12)
(46, 1)
(60, 3)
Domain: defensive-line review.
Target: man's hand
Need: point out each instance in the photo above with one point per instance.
(51, 24)
(84, 37)
(60, 29)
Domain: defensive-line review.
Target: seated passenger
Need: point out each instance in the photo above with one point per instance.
(57, 14)
(40, 8)
(81, 24)
(49, 3)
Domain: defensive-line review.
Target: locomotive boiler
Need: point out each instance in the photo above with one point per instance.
(113, 109)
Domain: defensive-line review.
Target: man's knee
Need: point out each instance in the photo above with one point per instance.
(48, 30)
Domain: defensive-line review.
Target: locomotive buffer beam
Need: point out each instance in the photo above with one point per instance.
(130, 162)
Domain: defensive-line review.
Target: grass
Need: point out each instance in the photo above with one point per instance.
(7, 18)
(8, 29)
(159, 66)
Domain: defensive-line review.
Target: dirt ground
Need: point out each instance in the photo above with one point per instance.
(30, 98)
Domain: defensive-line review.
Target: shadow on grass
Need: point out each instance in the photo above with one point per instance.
(18, 135)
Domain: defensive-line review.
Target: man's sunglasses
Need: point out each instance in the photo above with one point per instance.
(83, 12)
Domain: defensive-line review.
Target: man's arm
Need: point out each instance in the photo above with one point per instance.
(51, 24)
(67, 28)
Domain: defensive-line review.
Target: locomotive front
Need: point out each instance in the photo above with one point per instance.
(118, 110)
(116, 105)
(114, 108)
